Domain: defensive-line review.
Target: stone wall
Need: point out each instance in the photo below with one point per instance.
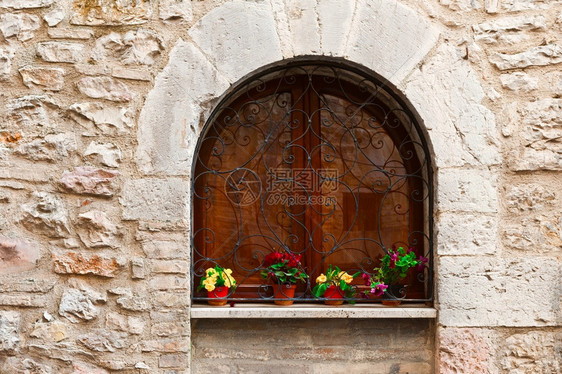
(101, 106)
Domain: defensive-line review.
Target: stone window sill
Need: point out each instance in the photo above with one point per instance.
(312, 311)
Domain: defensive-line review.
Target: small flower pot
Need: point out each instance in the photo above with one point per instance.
(283, 294)
(217, 296)
(333, 295)
(393, 295)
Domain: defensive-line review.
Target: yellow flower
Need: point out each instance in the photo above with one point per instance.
(228, 271)
(321, 279)
(209, 271)
(209, 287)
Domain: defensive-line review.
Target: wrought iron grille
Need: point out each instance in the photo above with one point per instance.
(321, 161)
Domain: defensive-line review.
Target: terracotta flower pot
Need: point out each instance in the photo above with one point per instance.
(393, 295)
(219, 296)
(334, 294)
(282, 294)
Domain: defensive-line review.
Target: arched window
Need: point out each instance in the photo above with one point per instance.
(318, 160)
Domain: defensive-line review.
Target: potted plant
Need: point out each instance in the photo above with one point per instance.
(335, 286)
(283, 270)
(394, 267)
(217, 281)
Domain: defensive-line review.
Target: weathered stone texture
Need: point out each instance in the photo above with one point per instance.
(21, 25)
(154, 199)
(53, 331)
(105, 88)
(171, 10)
(549, 54)
(110, 12)
(476, 291)
(250, 23)
(453, 113)
(503, 29)
(76, 263)
(17, 255)
(103, 340)
(46, 215)
(21, 365)
(78, 304)
(528, 197)
(467, 350)
(106, 154)
(541, 131)
(51, 79)
(10, 339)
(533, 352)
(109, 119)
(396, 50)
(90, 181)
(519, 82)
(139, 47)
(54, 147)
(25, 4)
(6, 55)
(96, 230)
(54, 17)
(535, 235)
(60, 52)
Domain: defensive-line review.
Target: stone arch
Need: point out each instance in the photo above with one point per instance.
(388, 37)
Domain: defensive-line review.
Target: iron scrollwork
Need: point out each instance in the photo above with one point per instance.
(321, 161)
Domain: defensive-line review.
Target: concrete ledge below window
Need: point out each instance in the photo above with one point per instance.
(312, 311)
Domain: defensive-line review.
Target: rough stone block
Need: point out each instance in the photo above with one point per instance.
(395, 51)
(23, 365)
(105, 88)
(54, 17)
(486, 292)
(543, 55)
(135, 303)
(110, 12)
(89, 181)
(21, 25)
(519, 82)
(51, 79)
(17, 255)
(170, 128)
(334, 25)
(10, 340)
(6, 56)
(120, 322)
(528, 197)
(230, 45)
(102, 340)
(169, 266)
(60, 52)
(76, 263)
(467, 190)
(467, 350)
(110, 120)
(171, 10)
(455, 117)
(173, 361)
(466, 234)
(25, 4)
(155, 199)
(532, 352)
(53, 331)
(168, 282)
(138, 268)
(500, 30)
(107, 154)
(535, 235)
(96, 230)
(52, 147)
(23, 300)
(304, 25)
(46, 214)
